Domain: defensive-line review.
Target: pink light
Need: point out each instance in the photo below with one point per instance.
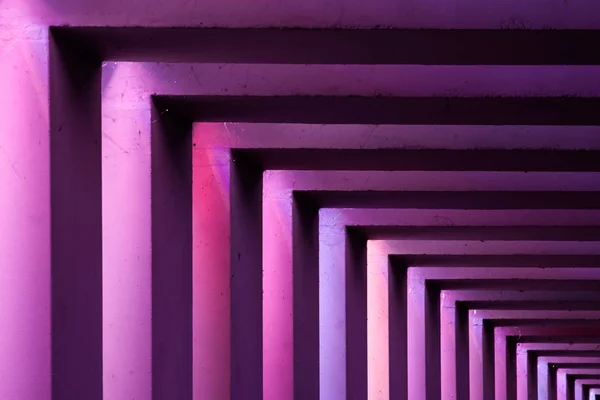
(278, 333)
(211, 264)
(126, 241)
(475, 356)
(24, 213)
(377, 322)
(332, 305)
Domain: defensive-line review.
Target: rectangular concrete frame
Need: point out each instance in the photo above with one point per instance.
(511, 360)
(594, 394)
(585, 374)
(454, 306)
(511, 318)
(157, 385)
(571, 361)
(507, 338)
(333, 247)
(93, 359)
(116, 119)
(479, 335)
(114, 86)
(419, 335)
(195, 358)
(338, 182)
(562, 365)
(546, 368)
(540, 377)
(582, 387)
(73, 13)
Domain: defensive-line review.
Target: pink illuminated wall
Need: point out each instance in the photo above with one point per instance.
(397, 201)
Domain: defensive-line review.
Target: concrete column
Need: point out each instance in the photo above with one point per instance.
(423, 338)
(342, 309)
(543, 374)
(561, 387)
(212, 228)
(25, 220)
(332, 310)
(291, 287)
(481, 356)
(126, 234)
(386, 366)
(500, 354)
(476, 356)
(448, 335)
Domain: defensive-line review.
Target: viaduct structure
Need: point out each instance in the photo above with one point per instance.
(317, 200)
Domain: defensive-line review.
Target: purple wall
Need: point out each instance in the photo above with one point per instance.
(195, 205)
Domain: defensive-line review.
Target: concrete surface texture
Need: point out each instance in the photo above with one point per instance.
(269, 199)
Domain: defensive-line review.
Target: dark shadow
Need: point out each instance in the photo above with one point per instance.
(426, 159)
(76, 221)
(246, 279)
(356, 314)
(397, 321)
(462, 351)
(572, 111)
(511, 368)
(305, 234)
(552, 382)
(171, 180)
(489, 367)
(330, 46)
(432, 337)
